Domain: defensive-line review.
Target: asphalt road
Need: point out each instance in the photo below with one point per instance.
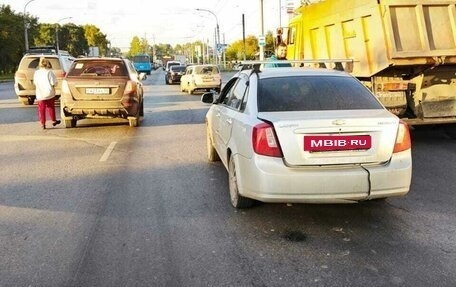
(108, 205)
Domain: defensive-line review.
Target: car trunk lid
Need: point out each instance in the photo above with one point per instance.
(335, 137)
(97, 90)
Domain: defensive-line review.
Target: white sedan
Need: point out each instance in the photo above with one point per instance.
(306, 136)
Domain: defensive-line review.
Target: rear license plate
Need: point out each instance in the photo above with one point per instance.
(337, 142)
(97, 91)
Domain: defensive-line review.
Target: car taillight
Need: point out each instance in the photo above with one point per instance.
(65, 87)
(265, 141)
(130, 88)
(20, 76)
(403, 141)
(60, 74)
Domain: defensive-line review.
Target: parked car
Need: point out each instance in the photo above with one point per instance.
(101, 88)
(201, 77)
(306, 135)
(23, 78)
(174, 74)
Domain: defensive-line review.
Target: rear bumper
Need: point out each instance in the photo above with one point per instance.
(269, 180)
(94, 109)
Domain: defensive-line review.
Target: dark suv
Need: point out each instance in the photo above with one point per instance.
(174, 74)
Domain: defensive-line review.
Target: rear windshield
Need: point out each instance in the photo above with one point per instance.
(208, 70)
(98, 69)
(314, 93)
(177, 68)
(141, 59)
(32, 63)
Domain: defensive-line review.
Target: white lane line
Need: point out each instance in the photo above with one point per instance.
(108, 151)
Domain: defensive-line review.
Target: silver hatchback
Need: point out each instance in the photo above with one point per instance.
(308, 136)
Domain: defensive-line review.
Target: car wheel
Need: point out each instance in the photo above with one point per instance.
(237, 200)
(31, 100)
(212, 154)
(69, 123)
(133, 121)
(170, 81)
(166, 80)
(141, 109)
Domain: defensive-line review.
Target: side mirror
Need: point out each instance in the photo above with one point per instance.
(208, 98)
(142, 76)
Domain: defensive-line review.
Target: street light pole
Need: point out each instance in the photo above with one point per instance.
(262, 31)
(217, 37)
(57, 32)
(26, 26)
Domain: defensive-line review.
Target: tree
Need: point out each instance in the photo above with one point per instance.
(136, 47)
(12, 41)
(95, 38)
(236, 50)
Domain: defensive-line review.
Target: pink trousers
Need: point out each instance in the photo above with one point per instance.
(49, 106)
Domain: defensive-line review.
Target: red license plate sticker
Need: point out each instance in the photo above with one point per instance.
(336, 142)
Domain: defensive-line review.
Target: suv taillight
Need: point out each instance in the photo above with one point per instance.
(265, 141)
(130, 88)
(20, 76)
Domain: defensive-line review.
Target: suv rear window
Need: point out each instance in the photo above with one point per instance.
(177, 68)
(98, 69)
(32, 63)
(209, 70)
(314, 93)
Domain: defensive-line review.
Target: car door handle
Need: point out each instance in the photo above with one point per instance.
(229, 121)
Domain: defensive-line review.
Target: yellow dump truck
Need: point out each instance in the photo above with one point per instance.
(403, 50)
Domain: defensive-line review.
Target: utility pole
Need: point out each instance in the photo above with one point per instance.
(262, 31)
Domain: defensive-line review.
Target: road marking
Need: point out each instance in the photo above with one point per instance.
(108, 151)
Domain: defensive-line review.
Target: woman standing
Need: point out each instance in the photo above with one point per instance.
(45, 81)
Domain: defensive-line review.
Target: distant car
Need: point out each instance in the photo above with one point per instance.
(23, 78)
(201, 77)
(306, 136)
(171, 63)
(174, 74)
(101, 88)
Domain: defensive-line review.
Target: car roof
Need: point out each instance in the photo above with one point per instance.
(295, 71)
(99, 59)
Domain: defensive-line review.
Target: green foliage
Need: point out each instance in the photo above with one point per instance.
(12, 42)
(236, 50)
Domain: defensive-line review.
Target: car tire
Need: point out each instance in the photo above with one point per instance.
(133, 121)
(237, 200)
(212, 155)
(69, 123)
(141, 109)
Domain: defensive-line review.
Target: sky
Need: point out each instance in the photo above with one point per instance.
(163, 21)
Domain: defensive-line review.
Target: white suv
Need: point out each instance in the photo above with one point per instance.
(23, 78)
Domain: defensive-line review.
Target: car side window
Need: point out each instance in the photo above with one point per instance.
(236, 94)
